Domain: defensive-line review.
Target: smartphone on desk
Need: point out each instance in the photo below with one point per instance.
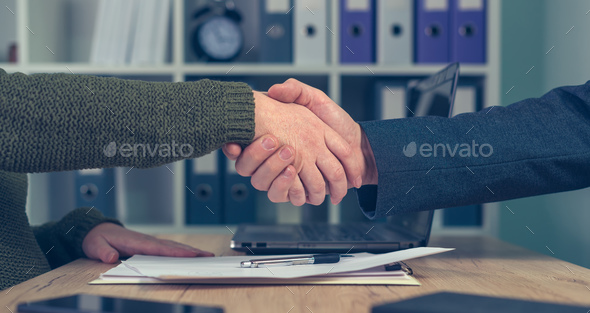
(82, 303)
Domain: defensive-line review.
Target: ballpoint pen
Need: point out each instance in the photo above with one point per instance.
(308, 259)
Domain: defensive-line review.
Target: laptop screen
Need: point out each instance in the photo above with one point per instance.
(432, 96)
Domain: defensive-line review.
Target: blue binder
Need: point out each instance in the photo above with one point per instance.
(464, 216)
(432, 31)
(357, 31)
(468, 25)
(276, 39)
(203, 190)
(239, 199)
(96, 188)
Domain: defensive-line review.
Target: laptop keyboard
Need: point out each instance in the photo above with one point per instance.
(348, 232)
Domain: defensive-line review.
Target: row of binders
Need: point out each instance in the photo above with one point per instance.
(131, 32)
(376, 31)
(214, 193)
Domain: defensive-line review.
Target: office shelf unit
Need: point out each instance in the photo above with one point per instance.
(50, 41)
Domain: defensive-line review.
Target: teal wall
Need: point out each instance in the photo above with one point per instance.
(530, 28)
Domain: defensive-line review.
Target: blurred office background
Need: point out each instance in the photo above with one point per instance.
(527, 48)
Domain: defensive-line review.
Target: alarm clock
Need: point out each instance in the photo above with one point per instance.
(218, 36)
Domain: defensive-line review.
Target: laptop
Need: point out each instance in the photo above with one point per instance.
(433, 95)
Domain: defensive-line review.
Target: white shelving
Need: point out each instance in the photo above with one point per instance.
(178, 70)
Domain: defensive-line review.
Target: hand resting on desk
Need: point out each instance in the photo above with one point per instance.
(107, 242)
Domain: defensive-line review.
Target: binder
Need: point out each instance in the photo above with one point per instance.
(203, 190)
(468, 25)
(276, 41)
(466, 101)
(465, 216)
(357, 31)
(142, 40)
(239, 200)
(432, 31)
(395, 31)
(390, 100)
(161, 22)
(310, 32)
(96, 188)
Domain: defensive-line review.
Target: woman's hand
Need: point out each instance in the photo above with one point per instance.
(107, 242)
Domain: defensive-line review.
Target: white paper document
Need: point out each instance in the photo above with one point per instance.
(363, 265)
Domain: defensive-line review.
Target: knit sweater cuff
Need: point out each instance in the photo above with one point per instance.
(240, 112)
(76, 225)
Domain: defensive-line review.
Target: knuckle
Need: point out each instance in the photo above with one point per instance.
(338, 174)
(346, 151)
(297, 196)
(318, 187)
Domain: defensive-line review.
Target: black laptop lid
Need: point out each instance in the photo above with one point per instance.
(431, 96)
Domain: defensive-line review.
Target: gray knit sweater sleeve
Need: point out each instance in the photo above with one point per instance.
(56, 122)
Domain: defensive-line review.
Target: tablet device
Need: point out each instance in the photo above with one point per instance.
(448, 302)
(96, 304)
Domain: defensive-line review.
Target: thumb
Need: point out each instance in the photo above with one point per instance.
(294, 91)
(100, 249)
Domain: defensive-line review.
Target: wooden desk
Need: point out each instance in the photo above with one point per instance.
(480, 265)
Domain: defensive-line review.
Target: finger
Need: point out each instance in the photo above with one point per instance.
(334, 174)
(272, 167)
(231, 150)
(154, 246)
(343, 152)
(255, 154)
(279, 189)
(297, 192)
(314, 184)
(100, 249)
(199, 252)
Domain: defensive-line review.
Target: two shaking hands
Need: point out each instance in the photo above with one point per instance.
(305, 147)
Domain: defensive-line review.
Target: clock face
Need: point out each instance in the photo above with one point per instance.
(220, 38)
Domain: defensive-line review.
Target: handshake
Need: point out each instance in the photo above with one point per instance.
(305, 147)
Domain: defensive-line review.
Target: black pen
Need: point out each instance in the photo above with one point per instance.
(301, 260)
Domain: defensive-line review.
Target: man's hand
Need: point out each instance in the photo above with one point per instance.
(321, 105)
(107, 242)
(334, 116)
(322, 155)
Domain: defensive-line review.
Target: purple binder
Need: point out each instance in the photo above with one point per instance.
(432, 31)
(357, 31)
(468, 24)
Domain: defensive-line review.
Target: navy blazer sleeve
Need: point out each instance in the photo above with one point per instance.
(532, 147)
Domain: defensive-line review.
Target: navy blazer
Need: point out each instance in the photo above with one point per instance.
(532, 147)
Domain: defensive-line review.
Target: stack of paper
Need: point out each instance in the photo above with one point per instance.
(363, 268)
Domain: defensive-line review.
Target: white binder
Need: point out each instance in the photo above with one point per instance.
(465, 100)
(310, 32)
(391, 98)
(395, 31)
